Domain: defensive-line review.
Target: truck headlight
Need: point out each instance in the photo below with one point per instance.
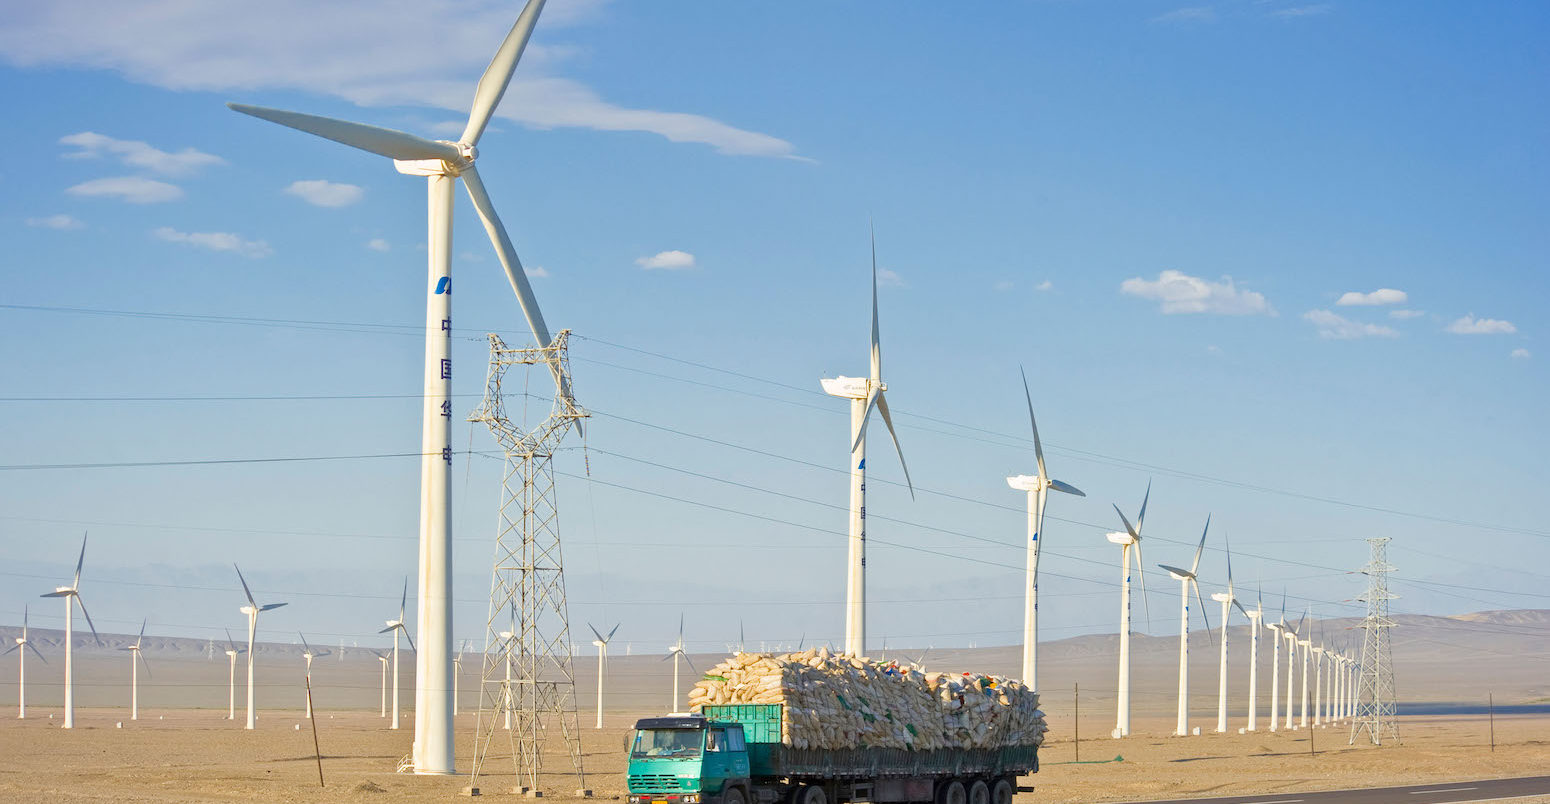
(691, 798)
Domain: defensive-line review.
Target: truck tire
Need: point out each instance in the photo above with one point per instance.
(979, 792)
(951, 791)
(1002, 792)
(810, 794)
(733, 795)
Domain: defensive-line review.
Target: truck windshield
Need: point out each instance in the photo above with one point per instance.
(678, 743)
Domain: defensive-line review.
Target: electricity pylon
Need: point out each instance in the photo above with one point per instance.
(1375, 705)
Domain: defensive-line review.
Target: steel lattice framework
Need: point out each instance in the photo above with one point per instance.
(1375, 705)
(527, 684)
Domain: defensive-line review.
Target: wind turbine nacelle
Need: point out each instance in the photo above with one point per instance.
(248, 610)
(849, 387)
(1120, 538)
(231, 653)
(599, 644)
(1178, 577)
(438, 167)
(63, 589)
(1028, 483)
(1221, 597)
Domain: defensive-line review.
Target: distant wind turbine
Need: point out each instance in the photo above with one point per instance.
(382, 657)
(308, 654)
(1256, 621)
(602, 659)
(231, 654)
(1291, 659)
(136, 658)
(1275, 665)
(457, 675)
(1127, 540)
(397, 626)
(865, 394)
(675, 652)
(1187, 579)
(1037, 488)
(72, 596)
(252, 610)
(23, 644)
(1306, 645)
(1228, 600)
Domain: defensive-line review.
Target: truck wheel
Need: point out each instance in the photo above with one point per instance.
(952, 792)
(733, 795)
(811, 794)
(1001, 792)
(979, 792)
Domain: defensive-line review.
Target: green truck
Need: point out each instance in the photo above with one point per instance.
(733, 754)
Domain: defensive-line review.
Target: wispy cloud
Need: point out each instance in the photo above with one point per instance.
(91, 145)
(1469, 325)
(363, 52)
(1404, 315)
(674, 260)
(321, 193)
(536, 271)
(1188, 14)
(1181, 293)
(1294, 12)
(61, 222)
(1044, 286)
(1379, 297)
(1521, 354)
(215, 241)
(378, 244)
(134, 189)
(1335, 327)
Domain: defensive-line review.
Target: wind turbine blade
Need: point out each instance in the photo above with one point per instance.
(1177, 571)
(1194, 566)
(230, 641)
(1038, 446)
(508, 256)
(304, 645)
(1240, 607)
(79, 562)
(1060, 485)
(680, 630)
(615, 628)
(17, 646)
(596, 634)
(1203, 615)
(492, 85)
(1128, 528)
(387, 629)
(1141, 518)
(882, 407)
(1227, 545)
(1298, 629)
(245, 589)
(65, 593)
(403, 601)
(409, 639)
(802, 641)
(143, 663)
(866, 418)
(82, 604)
(670, 655)
(1145, 598)
(877, 349)
(141, 637)
(691, 664)
(35, 652)
(381, 141)
(271, 606)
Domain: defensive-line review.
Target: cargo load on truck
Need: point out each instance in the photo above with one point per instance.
(842, 702)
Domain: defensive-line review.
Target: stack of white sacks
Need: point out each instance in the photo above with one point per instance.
(835, 702)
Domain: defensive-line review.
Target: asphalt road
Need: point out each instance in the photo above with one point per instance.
(1446, 793)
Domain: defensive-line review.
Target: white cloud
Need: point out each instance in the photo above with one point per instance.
(1181, 293)
(1521, 354)
(138, 154)
(536, 271)
(134, 189)
(378, 244)
(888, 277)
(321, 193)
(674, 260)
(1046, 285)
(1338, 328)
(1302, 11)
(1214, 349)
(427, 53)
(215, 241)
(1403, 315)
(1376, 298)
(1188, 14)
(1469, 325)
(60, 222)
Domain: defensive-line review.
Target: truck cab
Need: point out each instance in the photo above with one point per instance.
(688, 759)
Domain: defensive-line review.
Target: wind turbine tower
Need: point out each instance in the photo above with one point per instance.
(72, 596)
(1375, 704)
(136, 658)
(308, 654)
(1228, 600)
(676, 652)
(1256, 620)
(442, 163)
(21, 647)
(602, 660)
(1037, 487)
(864, 393)
(252, 610)
(1130, 539)
(1275, 666)
(398, 627)
(528, 622)
(1187, 579)
(231, 691)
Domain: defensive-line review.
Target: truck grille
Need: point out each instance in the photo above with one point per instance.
(653, 783)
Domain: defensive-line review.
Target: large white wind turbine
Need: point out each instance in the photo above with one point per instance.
(252, 610)
(864, 393)
(1256, 621)
(136, 658)
(602, 659)
(1187, 579)
(72, 596)
(231, 655)
(1306, 643)
(675, 652)
(1037, 486)
(1131, 538)
(442, 163)
(1318, 683)
(1291, 660)
(308, 654)
(1275, 666)
(397, 626)
(22, 646)
(1228, 601)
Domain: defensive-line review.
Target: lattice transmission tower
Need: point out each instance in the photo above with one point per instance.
(527, 687)
(1375, 705)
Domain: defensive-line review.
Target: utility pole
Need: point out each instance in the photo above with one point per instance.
(1375, 704)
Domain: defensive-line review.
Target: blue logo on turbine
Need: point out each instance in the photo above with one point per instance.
(444, 285)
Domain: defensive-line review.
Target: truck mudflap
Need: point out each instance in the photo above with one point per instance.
(883, 763)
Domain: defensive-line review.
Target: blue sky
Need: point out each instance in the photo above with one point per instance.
(1268, 254)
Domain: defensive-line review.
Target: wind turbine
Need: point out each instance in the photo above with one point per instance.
(252, 609)
(134, 673)
(1306, 645)
(1037, 486)
(442, 163)
(382, 657)
(397, 626)
(1228, 601)
(1186, 579)
(457, 674)
(231, 654)
(602, 658)
(1256, 621)
(674, 652)
(308, 654)
(1291, 659)
(1275, 666)
(72, 596)
(864, 393)
(22, 646)
(1131, 538)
